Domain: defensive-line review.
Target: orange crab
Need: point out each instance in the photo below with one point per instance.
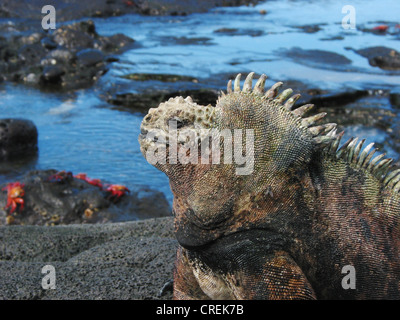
(117, 191)
(128, 3)
(15, 192)
(93, 182)
(381, 28)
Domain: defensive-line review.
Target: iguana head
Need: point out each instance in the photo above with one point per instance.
(254, 139)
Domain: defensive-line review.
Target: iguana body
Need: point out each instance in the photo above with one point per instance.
(306, 212)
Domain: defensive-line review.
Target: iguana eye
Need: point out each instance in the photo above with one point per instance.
(179, 123)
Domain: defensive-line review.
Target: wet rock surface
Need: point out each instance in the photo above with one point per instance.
(141, 102)
(318, 58)
(76, 9)
(238, 32)
(72, 57)
(18, 138)
(131, 260)
(52, 198)
(144, 90)
(310, 28)
(382, 57)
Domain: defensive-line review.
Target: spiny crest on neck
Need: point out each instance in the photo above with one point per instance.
(325, 136)
(322, 135)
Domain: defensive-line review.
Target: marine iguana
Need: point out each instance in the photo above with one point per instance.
(289, 229)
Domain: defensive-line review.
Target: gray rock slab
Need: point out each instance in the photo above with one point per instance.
(130, 260)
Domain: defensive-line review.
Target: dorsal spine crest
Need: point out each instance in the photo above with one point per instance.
(325, 136)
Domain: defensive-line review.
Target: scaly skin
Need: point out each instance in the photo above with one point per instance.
(286, 229)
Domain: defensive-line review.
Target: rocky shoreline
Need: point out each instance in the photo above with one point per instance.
(51, 197)
(76, 9)
(72, 57)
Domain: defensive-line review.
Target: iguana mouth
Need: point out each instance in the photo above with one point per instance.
(154, 140)
(146, 142)
(144, 137)
(254, 238)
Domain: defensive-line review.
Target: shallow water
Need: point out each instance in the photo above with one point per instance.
(80, 132)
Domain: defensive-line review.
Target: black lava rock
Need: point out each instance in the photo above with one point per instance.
(53, 198)
(382, 57)
(52, 74)
(89, 57)
(72, 57)
(18, 138)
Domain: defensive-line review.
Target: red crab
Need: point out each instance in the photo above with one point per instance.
(15, 192)
(129, 3)
(381, 28)
(60, 176)
(93, 182)
(117, 191)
